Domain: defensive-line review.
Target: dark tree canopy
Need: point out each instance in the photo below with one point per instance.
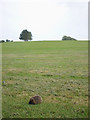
(1, 41)
(7, 40)
(25, 35)
(67, 38)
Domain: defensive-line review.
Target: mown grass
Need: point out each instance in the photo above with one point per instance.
(57, 71)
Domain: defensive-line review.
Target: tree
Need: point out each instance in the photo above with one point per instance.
(7, 40)
(67, 38)
(2, 41)
(25, 35)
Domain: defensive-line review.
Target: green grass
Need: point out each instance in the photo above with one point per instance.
(0, 81)
(57, 71)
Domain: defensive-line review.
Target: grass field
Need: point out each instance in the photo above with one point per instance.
(56, 70)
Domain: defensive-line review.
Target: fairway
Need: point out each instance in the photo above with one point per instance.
(55, 70)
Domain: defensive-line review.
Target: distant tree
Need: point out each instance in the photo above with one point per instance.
(25, 35)
(1, 41)
(67, 38)
(7, 40)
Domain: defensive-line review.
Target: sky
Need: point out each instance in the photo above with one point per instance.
(45, 19)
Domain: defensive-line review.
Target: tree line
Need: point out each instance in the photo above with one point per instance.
(26, 36)
(2, 41)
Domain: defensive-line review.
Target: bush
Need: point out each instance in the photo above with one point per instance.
(7, 40)
(1, 41)
(67, 38)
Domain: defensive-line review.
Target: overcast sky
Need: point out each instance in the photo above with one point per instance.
(46, 19)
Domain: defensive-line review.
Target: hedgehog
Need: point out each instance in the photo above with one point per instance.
(35, 100)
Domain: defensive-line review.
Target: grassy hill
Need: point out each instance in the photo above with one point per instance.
(57, 71)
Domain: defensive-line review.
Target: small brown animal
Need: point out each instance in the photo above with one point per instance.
(35, 100)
